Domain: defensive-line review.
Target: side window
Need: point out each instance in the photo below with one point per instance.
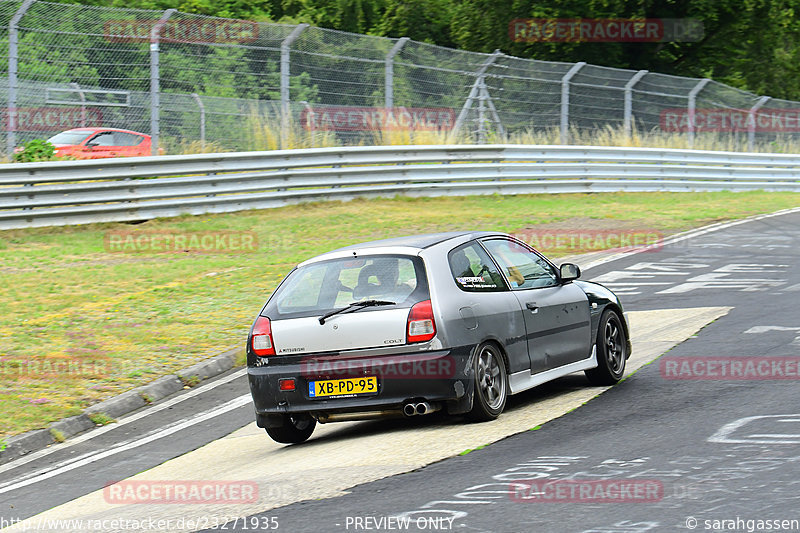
(127, 139)
(473, 270)
(103, 139)
(523, 268)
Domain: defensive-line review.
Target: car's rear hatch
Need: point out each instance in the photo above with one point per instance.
(350, 303)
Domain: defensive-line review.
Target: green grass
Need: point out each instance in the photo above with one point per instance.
(470, 450)
(101, 419)
(81, 324)
(58, 436)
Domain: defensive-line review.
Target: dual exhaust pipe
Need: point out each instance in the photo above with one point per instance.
(419, 408)
(409, 409)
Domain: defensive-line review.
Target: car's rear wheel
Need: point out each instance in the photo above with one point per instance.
(295, 429)
(612, 346)
(491, 383)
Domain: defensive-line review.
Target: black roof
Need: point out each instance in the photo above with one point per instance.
(416, 241)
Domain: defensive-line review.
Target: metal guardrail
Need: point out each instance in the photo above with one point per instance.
(141, 188)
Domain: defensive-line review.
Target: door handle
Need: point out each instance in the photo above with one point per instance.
(532, 306)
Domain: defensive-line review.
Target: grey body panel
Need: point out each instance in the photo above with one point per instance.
(559, 328)
(601, 298)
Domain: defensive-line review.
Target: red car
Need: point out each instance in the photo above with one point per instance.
(97, 143)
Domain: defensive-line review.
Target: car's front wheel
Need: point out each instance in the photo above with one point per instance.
(295, 429)
(612, 347)
(491, 383)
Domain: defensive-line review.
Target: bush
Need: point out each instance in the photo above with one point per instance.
(36, 150)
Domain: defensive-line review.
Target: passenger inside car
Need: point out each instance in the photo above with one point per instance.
(461, 265)
(480, 266)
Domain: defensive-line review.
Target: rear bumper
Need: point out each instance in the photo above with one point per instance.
(440, 376)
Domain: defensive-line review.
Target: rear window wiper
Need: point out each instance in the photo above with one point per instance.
(355, 306)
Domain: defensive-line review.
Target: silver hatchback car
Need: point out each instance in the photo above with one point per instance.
(414, 325)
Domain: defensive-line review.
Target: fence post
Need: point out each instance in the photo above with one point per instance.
(388, 98)
(751, 122)
(627, 120)
(565, 100)
(692, 106)
(202, 107)
(286, 46)
(492, 109)
(13, 57)
(482, 94)
(155, 80)
(82, 96)
(309, 125)
(475, 90)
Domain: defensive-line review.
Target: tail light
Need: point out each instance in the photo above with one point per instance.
(262, 337)
(421, 326)
(286, 384)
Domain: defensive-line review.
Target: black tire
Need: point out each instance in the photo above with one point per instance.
(612, 350)
(295, 429)
(491, 383)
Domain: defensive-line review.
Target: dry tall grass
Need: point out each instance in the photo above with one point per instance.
(616, 136)
(184, 146)
(263, 132)
(406, 137)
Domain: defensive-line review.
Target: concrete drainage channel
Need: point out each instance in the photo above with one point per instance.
(119, 405)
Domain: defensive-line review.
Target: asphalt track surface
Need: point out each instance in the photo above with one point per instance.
(714, 449)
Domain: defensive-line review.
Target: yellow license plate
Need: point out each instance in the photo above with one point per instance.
(343, 387)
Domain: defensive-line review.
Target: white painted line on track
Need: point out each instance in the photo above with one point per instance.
(727, 433)
(122, 421)
(124, 446)
(689, 235)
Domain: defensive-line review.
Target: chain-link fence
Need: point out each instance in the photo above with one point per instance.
(199, 83)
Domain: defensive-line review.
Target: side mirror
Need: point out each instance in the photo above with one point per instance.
(570, 272)
(91, 145)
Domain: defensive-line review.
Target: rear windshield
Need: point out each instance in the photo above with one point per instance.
(317, 288)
